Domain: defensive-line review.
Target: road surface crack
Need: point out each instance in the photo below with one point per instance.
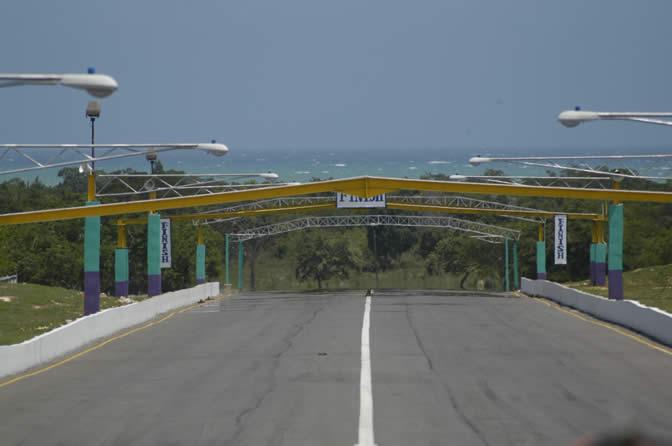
(288, 340)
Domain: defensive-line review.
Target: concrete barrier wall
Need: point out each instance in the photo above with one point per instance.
(652, 322)
(48, 346)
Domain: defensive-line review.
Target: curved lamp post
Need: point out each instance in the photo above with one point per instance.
(98, 85)
(614, 250)
(572, 118)
(92, 224)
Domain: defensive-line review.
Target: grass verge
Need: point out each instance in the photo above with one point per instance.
(28, 310)
(651, 286)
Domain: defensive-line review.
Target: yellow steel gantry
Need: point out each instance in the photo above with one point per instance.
(361, 186)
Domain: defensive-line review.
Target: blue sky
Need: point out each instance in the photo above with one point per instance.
(488, 75)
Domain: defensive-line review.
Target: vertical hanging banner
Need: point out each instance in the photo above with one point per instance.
(560, 247)
(165, 244)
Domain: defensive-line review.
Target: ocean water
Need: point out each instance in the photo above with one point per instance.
(302, 165)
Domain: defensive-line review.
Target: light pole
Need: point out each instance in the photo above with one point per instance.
(82, 159)
(92, 224)
(92, 227)
(598, 248)
(98, 85)
(572, 118)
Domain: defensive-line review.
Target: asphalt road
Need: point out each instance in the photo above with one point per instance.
(284, 369)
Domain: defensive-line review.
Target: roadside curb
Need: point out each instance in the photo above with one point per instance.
(651, 322)
(85, 330)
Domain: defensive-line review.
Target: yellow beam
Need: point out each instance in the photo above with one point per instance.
(390, 205)
(362, 186)
(245, 213)
(508, 212)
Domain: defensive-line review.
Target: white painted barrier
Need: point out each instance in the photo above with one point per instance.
(652, 322)
(48, 346)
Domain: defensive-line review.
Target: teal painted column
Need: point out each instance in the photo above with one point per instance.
(153, 254)
(227, 258)
(121, 272)
(200, 264)
(91, 263)
(541, 261)
(600, 264)
(615, 254)
(516, 280)
(240, 265)
(506, 263)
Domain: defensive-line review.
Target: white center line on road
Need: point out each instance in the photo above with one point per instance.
(365, 390)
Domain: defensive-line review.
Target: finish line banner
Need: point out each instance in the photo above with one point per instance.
(560, 245)
(345, 201)
(165, 244)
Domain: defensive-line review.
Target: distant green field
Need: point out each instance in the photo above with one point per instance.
(29, 310)
(650, 286)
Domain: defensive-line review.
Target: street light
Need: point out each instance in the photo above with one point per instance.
(212, 148)
(98, 85)
(552, 162)
(85, 161)
(572, 118)
(586, 182)
(614, 250)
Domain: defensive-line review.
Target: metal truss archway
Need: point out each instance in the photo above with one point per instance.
(489, 233)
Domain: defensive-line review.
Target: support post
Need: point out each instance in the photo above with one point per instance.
(153, 255)
(121, 263)
(516, 281)
(506, 263)
(227, 258)
(615, 255)
(200, 258)
(240, 265)
(600, 257)
(541, 254)
(91, 259)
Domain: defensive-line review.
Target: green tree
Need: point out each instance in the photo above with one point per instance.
(467, 256)
(321, 259)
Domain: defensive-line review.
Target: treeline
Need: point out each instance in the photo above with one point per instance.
(52, 253)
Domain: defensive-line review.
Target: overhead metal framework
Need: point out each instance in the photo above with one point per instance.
(488, 232)
(362, 186)
(44, 156)
(180, 185)
(235, 213)
(616, 167)
(420, 203)
(603, 182)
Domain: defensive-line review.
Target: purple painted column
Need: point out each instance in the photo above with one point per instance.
(600, 264)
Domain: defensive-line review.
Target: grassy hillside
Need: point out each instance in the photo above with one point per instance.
(650, 286)
(29, 310)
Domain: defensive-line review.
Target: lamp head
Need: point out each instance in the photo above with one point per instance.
(214, 148)
(572, 118)
(478, 160)
(98, 85)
